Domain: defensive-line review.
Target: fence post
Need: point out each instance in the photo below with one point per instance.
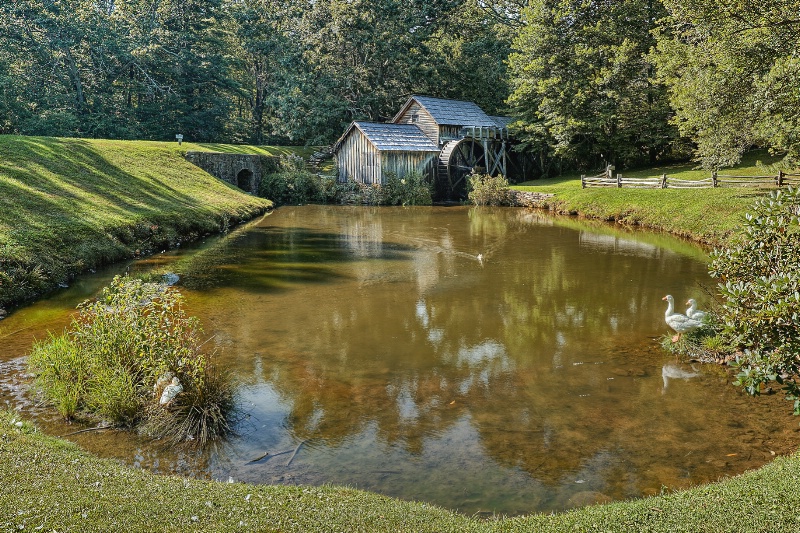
(714, 178)
(619, 181)
(780, 178)
(583, 181)
(663, 181)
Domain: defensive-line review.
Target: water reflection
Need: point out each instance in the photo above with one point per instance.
(478, 359)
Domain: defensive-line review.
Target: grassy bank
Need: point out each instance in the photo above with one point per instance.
(69, 205)
(705, 215)
(51, 484)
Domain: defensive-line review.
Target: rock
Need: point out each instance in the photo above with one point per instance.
(171, 391)
(3, 313)
(528, 199)
(587, 497)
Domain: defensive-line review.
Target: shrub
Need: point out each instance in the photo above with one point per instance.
(293, 184)
(760, 288)
(109, 362)
(488, 190)
(412, 189)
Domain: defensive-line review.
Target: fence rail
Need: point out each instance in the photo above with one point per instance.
(606, 179)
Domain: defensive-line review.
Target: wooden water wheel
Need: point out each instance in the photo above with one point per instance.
(456, 160)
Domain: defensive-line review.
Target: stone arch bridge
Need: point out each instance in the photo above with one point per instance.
(241, 170)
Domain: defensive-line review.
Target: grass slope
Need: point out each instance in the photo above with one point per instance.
(705, 215)
(50, 484)
(67, 205)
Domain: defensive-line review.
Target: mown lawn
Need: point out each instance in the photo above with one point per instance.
(51, 485)
(69, 205)
(707, 215)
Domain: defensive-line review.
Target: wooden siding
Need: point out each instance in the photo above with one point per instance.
(449, 133)
(402, 163)
(357, 159)
(424, 121)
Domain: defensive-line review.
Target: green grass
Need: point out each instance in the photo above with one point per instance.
(68, 205)
(706, 215)
(50, 484)
(302, 151)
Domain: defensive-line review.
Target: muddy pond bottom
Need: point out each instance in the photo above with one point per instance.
(486, 361)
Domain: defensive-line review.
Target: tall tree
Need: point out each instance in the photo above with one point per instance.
(732, 71)
(583, 84)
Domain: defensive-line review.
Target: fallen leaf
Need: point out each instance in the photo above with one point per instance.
(730, 455)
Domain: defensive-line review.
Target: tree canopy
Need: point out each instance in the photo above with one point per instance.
(589, 82)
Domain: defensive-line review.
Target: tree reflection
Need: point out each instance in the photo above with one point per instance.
(408, 332)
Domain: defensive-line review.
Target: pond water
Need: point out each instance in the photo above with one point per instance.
(487, 361)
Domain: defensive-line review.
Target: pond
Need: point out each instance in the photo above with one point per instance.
(483, 360)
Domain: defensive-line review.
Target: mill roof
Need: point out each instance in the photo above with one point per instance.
(448, 112)
(502, 121)
(392, 137)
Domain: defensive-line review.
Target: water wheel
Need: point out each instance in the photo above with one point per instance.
(456, 160)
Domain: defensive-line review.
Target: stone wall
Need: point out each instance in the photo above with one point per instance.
(241, 170)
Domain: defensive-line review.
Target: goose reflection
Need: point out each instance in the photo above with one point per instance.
(673, 371)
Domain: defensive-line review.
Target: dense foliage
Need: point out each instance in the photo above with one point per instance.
(294, 184)
(760, 287)
(590, 82)
(583, 84)
(732, 71)
(120, 353)
(488, 190)
(239, 70)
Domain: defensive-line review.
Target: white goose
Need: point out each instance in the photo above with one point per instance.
(693, 312)
(680, 323)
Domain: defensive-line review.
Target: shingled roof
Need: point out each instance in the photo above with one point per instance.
(448, 112)
(392, 137)
(502, 121)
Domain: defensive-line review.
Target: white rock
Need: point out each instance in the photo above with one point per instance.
(170, 391)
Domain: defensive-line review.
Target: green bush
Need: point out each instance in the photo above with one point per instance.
(488, 190)
(293, 184)
(109, 362)
(760, 288)
(411, 189)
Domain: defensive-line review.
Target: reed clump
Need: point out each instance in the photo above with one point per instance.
(132, 357)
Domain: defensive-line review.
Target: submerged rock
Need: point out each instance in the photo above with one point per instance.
(588, 497)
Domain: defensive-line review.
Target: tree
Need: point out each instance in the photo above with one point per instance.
(583, 84)
(731, 69)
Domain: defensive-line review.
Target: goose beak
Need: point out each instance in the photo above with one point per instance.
(664, 298)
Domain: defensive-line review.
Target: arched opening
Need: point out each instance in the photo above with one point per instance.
(244, 180)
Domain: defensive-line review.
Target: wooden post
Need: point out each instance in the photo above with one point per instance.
(714, 178)
(619, 181)
(583, 181)
(780, 178)
(663, 181)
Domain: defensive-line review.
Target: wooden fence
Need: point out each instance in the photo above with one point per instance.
(606, 179)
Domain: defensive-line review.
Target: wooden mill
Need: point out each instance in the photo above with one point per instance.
(443, 139)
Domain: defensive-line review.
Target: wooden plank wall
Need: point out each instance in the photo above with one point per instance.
(425, 121)
(403, 163)
(358, 159)
(449, 133)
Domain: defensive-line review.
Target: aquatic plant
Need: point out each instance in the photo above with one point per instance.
(111, 361)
